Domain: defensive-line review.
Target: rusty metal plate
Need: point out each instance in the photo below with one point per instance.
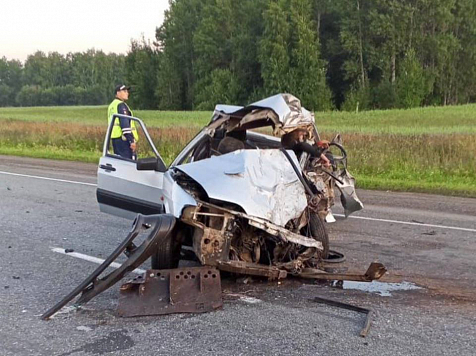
(168, 291)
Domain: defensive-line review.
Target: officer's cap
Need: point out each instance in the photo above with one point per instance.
(121, 87)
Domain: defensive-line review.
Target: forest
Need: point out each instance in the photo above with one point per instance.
(333, 54)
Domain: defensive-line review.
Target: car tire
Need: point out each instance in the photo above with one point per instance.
(319, 233)
(168, 253)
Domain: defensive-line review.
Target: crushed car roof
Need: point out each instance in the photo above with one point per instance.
(290, 114)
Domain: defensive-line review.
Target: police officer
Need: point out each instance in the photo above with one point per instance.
(124, 133)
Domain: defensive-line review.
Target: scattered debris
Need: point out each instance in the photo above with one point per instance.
(250, 300)
(194, 289)
(416, 221)
(244, 280)
(235, 296)
(84, 328)
(334, 303)
(67, 310)
(158, 226)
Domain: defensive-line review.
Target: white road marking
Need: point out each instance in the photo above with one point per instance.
(408, 223)
(340, 215)
(92, 259)
(46, 178)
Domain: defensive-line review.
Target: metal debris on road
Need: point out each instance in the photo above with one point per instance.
(84, 328)
(334, 303)
(375, 271)
(158, 226)
(167, 291)
(192, 290)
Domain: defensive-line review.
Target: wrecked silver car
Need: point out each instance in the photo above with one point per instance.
(234, 199)
(242, 202)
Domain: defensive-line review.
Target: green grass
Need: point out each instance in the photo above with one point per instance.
(51, 152)
(428, 120)
(449, 119)
(426, 150)
(96, 115)
(446, 186)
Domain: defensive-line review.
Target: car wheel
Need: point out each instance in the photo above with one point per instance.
(318, 232)
(168, 253)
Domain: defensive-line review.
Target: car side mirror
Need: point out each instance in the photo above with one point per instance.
(150, 164)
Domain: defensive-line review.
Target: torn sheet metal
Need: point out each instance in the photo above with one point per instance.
(158, 228)
(291, 114)
(262, 182)
(348, 197)
(286, 106)
(180, 290)
(272, 229)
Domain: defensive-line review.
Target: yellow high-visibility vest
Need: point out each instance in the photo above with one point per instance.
(116, 130)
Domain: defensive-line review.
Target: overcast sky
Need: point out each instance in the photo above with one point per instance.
(75, 25)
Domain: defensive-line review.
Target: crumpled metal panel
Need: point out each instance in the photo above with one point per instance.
(348, 197)
(176, 199)
(262, 182)
(288, 108)
(291, 113)
(227, 109)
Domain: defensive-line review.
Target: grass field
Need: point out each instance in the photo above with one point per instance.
(427, 149)
(96, 115)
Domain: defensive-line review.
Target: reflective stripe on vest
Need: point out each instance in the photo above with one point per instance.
(116, 130)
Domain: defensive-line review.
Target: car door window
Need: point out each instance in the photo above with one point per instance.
(144, 146)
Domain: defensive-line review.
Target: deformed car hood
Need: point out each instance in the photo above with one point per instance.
(262, 182)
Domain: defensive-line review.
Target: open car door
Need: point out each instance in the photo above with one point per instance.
(127, 187)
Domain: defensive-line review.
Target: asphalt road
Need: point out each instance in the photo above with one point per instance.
(427, 240)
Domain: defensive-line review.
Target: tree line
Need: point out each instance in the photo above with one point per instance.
(344, 54)
(82, 78)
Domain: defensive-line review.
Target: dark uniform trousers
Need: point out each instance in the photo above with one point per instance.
(122, 148)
